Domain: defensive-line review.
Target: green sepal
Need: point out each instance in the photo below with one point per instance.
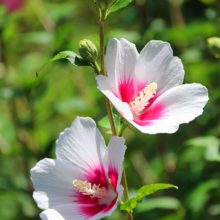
(142, 192)
(118, 4)
(74, 59)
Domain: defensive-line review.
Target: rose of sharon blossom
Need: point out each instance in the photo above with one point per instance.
(84, 181)
(147, 89)
(12, 5)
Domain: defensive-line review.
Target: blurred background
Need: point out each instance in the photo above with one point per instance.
(33, 111)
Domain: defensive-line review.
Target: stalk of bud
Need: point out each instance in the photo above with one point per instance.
(88, 50)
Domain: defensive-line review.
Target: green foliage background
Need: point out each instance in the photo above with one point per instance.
(33, 111)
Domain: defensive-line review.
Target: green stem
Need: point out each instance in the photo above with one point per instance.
(102, 47)
(103, 14)
(103, 72)
(124, 179)
(109, 109)
(111, 117)
(121, 130)
(125, 193)
(96, 68)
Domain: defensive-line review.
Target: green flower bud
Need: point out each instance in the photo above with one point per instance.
(214, 46)
(88, 50)
(104, 4)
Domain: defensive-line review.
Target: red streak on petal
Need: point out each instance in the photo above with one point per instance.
(140, 87)
(90, 211)
(96, 208)
(97, 176)
(111, 205)
(113, 176)
(126, 89)
(150, 115)
(83, 199)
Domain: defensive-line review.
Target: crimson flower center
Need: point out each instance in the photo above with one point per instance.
(140, 102)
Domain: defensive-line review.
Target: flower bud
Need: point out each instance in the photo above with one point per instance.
(214, 46)
(88, 50)
(104, 4)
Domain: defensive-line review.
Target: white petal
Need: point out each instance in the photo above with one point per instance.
(81, 144)
(63, 212)
(156, 63)
(116, 152)
(114, 158)
(120, 60)
(52, 180)
(71, 212)
(122, 107)
(181, 105)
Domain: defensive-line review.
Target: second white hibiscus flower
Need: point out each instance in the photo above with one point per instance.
(147, 88)
(84, 181)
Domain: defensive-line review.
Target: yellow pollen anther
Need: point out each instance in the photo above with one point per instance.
(140, 102)
(87, 189)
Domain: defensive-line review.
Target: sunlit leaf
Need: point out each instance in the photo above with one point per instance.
(119, 4)
(104, 122)
(74, 59)
(144, 191)
(149, 189)
(211, 144)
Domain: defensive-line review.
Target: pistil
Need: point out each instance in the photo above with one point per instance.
(95, 191)
(141, 101)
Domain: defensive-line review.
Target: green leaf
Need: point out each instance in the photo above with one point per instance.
(74, 59)
(150, 189)
(201, 194)
(118, 5)
(212, 145)
(104, 122)
(144, 191)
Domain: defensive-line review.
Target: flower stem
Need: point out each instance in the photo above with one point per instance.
(126, 195)
(102, 46)
(110, 116)
(103, 72)
(109, 109)
(124, 179)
